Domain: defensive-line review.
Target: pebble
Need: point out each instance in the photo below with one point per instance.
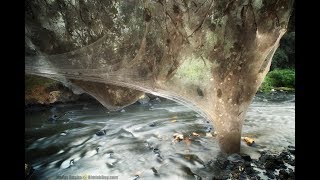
(153, 124)
(101, 133)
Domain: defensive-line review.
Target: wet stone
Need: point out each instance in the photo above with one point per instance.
(291, 149)
(285, 155)
(53, 118)
(63, 133)
(235, 158)
(221, 162)
(153, 124)
(246, 157)
(156, 150)
(283, 174)
(243, 176)
(154, 170)
(249, 170)
(159, 157)
(28, 171)
(247, 164)
(291, 162)
(101, 133)
(270, 165)
(270, 174)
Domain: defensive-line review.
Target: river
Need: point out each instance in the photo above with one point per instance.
(86, 140)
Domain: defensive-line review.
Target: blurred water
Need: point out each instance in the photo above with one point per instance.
(139, 139)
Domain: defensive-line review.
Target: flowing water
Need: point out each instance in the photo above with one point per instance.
(86, 141)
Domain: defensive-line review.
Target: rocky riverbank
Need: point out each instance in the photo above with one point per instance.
(270, 165)
(44, 91)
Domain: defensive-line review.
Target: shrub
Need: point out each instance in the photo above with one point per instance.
(278, 78)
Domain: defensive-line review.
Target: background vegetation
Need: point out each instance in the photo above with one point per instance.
(282, 70)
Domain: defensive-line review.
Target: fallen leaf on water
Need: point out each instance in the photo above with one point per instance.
(248, 140)
(174, 120)
(195, 134)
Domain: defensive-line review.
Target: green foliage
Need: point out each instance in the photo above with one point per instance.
(278, 78)
(284, 57)
(280, 59)
(282, 78)
(266, 85)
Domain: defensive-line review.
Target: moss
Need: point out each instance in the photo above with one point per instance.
(32, 82)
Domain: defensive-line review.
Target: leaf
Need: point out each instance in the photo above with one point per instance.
(195, 134)
(177, 137)
(248, 140)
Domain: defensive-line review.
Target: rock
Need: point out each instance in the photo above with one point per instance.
(243, 176)
(221, 162)
(63, 134)
(284, 155)
(154, 171)
(156, 150)
(159, 158)
(53, 118)
(291, 162)
(291, 173)
(235, 158)
(246, 157)
(28, 171)
(101, 133)
(40, 90)
(54, 96)
(249, 170)
(283, 174)
(273, 163)
(144, 99)
(158, 99)
(270, 174)
(208, 129)
(291, 149)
